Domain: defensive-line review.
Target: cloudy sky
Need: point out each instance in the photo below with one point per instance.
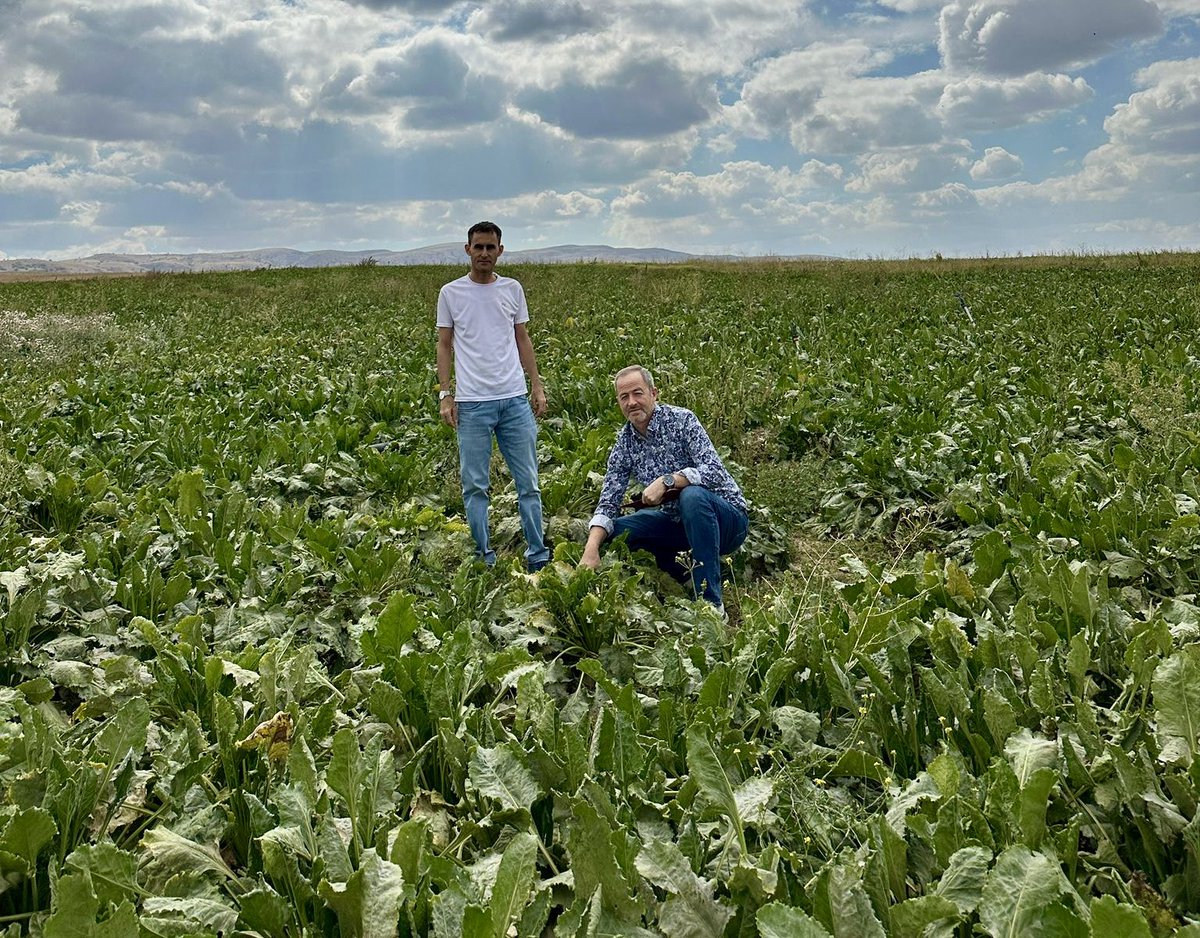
(853, 127)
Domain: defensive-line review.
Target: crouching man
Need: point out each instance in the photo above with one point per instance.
(667, 451)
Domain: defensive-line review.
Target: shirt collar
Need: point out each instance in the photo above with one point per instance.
(651, 426)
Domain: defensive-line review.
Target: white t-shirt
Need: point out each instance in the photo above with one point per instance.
(487, 366)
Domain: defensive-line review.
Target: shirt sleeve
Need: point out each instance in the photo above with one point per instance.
(706, 467)
(522, 313)
(444, 316)
(616, 481)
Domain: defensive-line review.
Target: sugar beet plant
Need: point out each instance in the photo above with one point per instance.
(253, 685)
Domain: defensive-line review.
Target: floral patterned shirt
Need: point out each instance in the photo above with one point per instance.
(674, 442)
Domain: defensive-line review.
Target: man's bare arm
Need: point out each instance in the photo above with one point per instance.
(537, 391)
(445, 356)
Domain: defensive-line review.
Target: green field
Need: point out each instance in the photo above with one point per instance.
(959, 692)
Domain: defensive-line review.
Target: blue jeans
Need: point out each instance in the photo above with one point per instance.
(511, 422)
(707, 525)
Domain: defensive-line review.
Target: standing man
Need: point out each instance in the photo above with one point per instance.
(481, 321)
(668, 452)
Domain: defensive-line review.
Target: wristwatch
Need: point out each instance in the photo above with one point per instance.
(668, 480)
(442, 395)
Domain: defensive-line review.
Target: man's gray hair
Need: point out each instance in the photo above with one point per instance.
(630, 369)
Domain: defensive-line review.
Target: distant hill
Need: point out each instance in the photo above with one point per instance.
(449, 253)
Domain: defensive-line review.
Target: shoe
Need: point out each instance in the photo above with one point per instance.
(536, 565)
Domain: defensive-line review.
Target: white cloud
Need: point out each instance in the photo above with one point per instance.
(535, 19)
(1015, 37)
(908, 169)
(739, 187)
(234, 123)
(62, 179)
(997, 164)
(644, 98)
(786, 226)
(1179, 7)
(428, 80)
(950, 198)
(784, 88)
(820, 98)
(867, 113)
(911, 6)
(408, 6)
(1164, 118)
(1138, 189)
(83, 214)
(978, 103)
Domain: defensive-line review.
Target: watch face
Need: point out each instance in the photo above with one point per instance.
(668, 480)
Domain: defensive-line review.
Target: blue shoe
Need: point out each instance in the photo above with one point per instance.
(536, 565)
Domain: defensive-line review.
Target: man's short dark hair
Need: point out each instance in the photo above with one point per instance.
(486, 227)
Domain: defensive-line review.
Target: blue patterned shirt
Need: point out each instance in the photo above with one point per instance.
(674, 442)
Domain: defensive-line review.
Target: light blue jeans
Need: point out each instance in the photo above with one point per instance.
(511, 422)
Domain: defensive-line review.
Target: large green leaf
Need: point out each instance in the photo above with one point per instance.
(266, 912)
(1177, 705)
(594, 862)
(27, 833)
(344, 774)
(910, 918)
(500, 773)
(75, 909)
(799, 728)
(706, 770)
(173, 915)
(395, 626)
(1028, 754)
(125, 731)
(368, 903)
(965, 877)
(383, 893)
(1034, 800)
(603, 923)
(449, 908)
(850, 907)
(1111, 919)
(1018, 895)
(922, 788)
(690, 910)
(113, 871)
(171, 852)
(781, 921)
(514, 881)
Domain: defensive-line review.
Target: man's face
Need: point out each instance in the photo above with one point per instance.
(483, 250)
(636, 400)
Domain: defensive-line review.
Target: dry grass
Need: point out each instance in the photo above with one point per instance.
(39, 276)
(1159, 404)
(938, 263)
(52, 336)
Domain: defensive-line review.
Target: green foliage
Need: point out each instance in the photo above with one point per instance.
(253, 683)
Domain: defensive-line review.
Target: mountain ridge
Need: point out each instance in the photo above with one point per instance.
(273, 258)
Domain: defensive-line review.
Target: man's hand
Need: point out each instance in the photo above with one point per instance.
(449, 411)
(591, 551)
(652, 494)
(537, 397)
(590, 558)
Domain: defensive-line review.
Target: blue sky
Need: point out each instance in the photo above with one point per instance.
(888, 128)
